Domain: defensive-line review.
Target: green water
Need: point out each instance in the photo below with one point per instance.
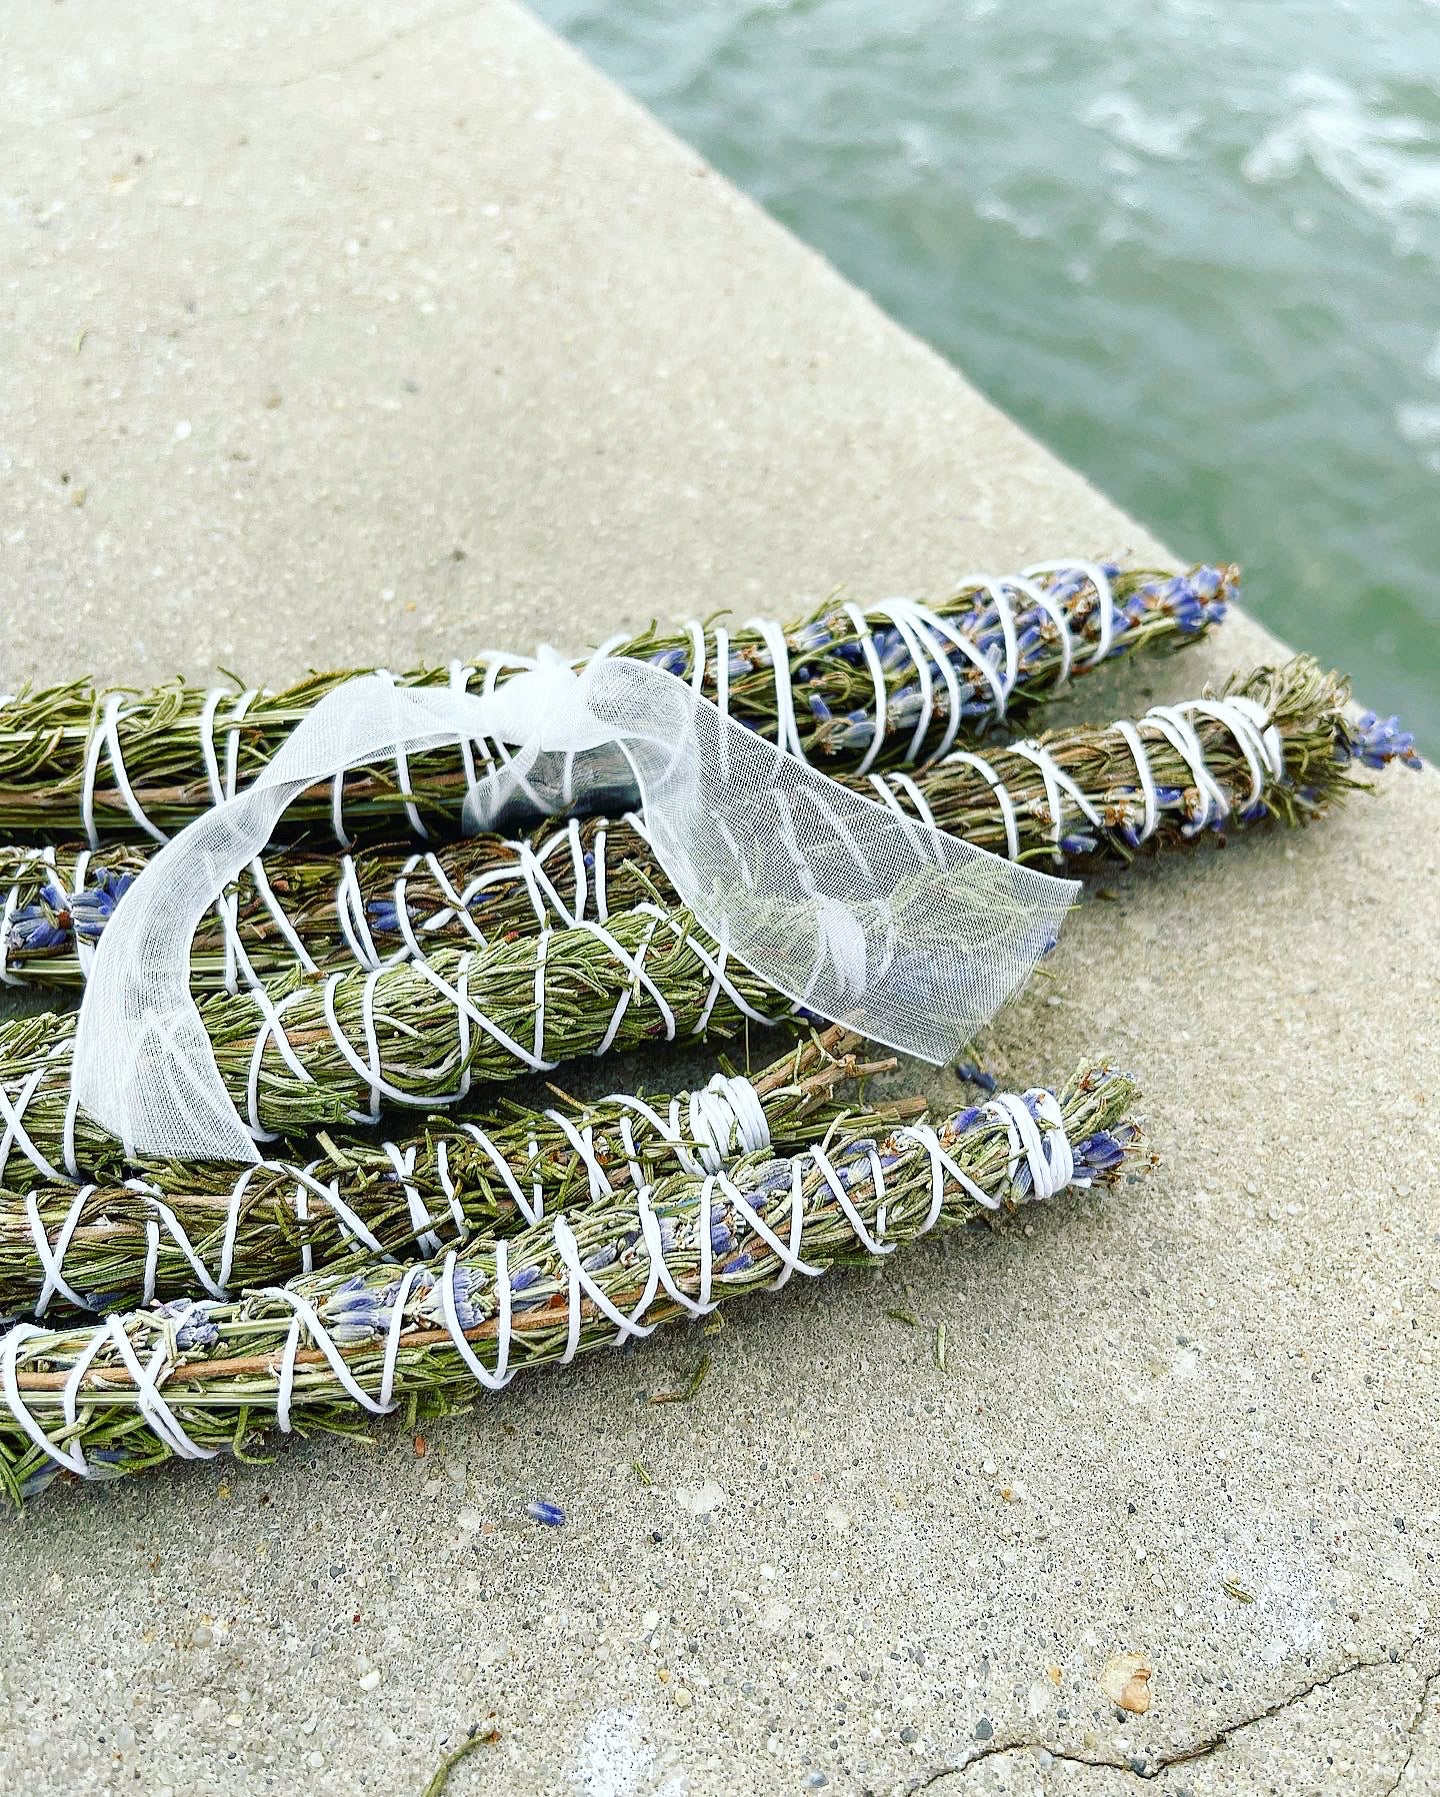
(1194, 245)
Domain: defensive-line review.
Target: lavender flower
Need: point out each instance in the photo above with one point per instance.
(814, 636)
(548, 1515)
(1375, 742)
(93, 905)
(1100, 1153)
(383, 915)
(355, 1313)
(194, 1327)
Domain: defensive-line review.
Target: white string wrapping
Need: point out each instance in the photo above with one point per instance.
(725, 1119)
(908, 935)
(936, 645)
(1047, 1154)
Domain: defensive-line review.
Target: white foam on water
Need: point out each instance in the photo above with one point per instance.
(1121, 117)
(1389, 164)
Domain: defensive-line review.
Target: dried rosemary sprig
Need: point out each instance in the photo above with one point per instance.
(211, 1226)
(1065, 798)
(322, 1052)
(74, 758)
(200, 1378)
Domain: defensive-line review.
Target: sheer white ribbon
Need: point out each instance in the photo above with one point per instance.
(846, 907)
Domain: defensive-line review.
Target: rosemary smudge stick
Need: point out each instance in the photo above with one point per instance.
(1275, 744)
(195, 1379)
(213, 1227)
(849, 689)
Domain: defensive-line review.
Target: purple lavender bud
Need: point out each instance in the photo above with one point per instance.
(720, 1238)
(383, 915)
(813, 636)
(966, 1119)
(33, 928)
(194, 1328)
(820, 709)
(670, 661)
(774, 1176)
(1376, 742)
(738, 665)
(975, 1076)
(739, 1263)
(548, 1515)
(467, 1284)
(600, 1259)
(524, 1279)
(1078, 844)
(93, 905)
(860, 1148)
(34, 1483)
(1100, 1153)
(1205, 582)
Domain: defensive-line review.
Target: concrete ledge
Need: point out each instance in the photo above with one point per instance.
(393, 332)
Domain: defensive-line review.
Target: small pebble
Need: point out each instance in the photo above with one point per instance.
(1125, 1680)
(371, 1680)
(682, 1697)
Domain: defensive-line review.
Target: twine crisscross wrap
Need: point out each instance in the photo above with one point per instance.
(1248, 723)
(698, 1132)
(903, 932)
(960, 662)
(683, 1275)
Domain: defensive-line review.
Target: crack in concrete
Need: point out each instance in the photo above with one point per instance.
(1145, 1767)
(1412, 1733)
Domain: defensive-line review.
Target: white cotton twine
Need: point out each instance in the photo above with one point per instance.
(1047, 1154)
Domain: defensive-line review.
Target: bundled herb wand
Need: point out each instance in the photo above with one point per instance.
(207, 1225)
(1285, 750)
(303, 1054)
(195, 1379)
(846, 688)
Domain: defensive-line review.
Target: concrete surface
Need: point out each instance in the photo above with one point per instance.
(302, 300)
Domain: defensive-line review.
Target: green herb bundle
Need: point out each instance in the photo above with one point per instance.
(210, 1226)
(309, 1053)
(844, 688)
(1285, 752)
(195, 1379)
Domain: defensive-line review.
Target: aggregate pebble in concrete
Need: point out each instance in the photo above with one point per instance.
(387, 332)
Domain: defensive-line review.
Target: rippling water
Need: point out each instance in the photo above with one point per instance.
(1192, 244)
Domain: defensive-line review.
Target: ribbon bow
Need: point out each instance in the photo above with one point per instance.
(859, 914)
